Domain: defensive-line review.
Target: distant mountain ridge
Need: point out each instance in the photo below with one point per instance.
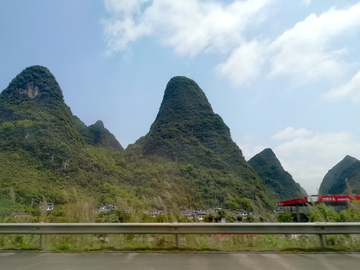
(278, 183)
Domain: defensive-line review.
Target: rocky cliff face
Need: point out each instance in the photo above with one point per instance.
(34, 82)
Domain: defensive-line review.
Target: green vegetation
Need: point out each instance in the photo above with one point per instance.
(279, 184)
(334, 180)
(284, 217)
(187, 160)
(47, 153)
(98, 243)
(83, 210)
(322, 213)
(348, 182)
(98, 135)
(187, 131)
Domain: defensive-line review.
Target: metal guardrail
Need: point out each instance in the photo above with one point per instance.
(42, 229)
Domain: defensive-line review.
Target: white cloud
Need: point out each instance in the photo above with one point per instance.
(124, 7)
(325, 144)
(125, 24)
(250, 151)
(309, 155)
(304, 52)
(189, 26)
(291, 133)
(308, 175)
(350, 89)
(243, 64)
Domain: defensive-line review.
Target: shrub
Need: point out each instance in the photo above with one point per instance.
(284, 217)
(250, 219)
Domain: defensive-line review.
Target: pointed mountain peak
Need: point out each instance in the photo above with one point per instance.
(333, 174)
(34, 97)
(187, 130)
(279, 184)
(34, 82)
(183, 98)
(98, 125)
(100, 136)
(348, 158)
(267, 152)
(266, 156)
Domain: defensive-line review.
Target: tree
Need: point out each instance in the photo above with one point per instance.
(284, 217)
(245, 204)
(323, 214)
(231, 205)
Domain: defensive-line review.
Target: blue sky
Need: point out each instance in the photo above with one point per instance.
(282, 74)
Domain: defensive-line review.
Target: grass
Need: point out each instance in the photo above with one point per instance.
(154, 243)
(80, 211)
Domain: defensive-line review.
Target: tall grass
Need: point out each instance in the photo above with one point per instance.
(79, 210)
(188, 242)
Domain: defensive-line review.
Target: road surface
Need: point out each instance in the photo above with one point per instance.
(176, 261)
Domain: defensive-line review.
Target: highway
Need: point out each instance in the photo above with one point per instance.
(176, 261)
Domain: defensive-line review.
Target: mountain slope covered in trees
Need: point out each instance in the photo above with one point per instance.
(187, 159)
(42, 152)
(187, 131)
(333, 175)
(343, 178)
(279, 184)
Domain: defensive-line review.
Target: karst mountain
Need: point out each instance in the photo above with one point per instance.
(187, 158)
(343, 178)
(278, 183)
(186, 130)
(35, 118)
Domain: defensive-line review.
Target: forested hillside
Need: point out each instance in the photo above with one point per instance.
(279, 184)
(187, 159)
(187, 131)
(333, 175)
(343, 178)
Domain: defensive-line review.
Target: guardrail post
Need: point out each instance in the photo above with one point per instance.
(297, 214)
(42, 241)
(322, 241)
(177, 240)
